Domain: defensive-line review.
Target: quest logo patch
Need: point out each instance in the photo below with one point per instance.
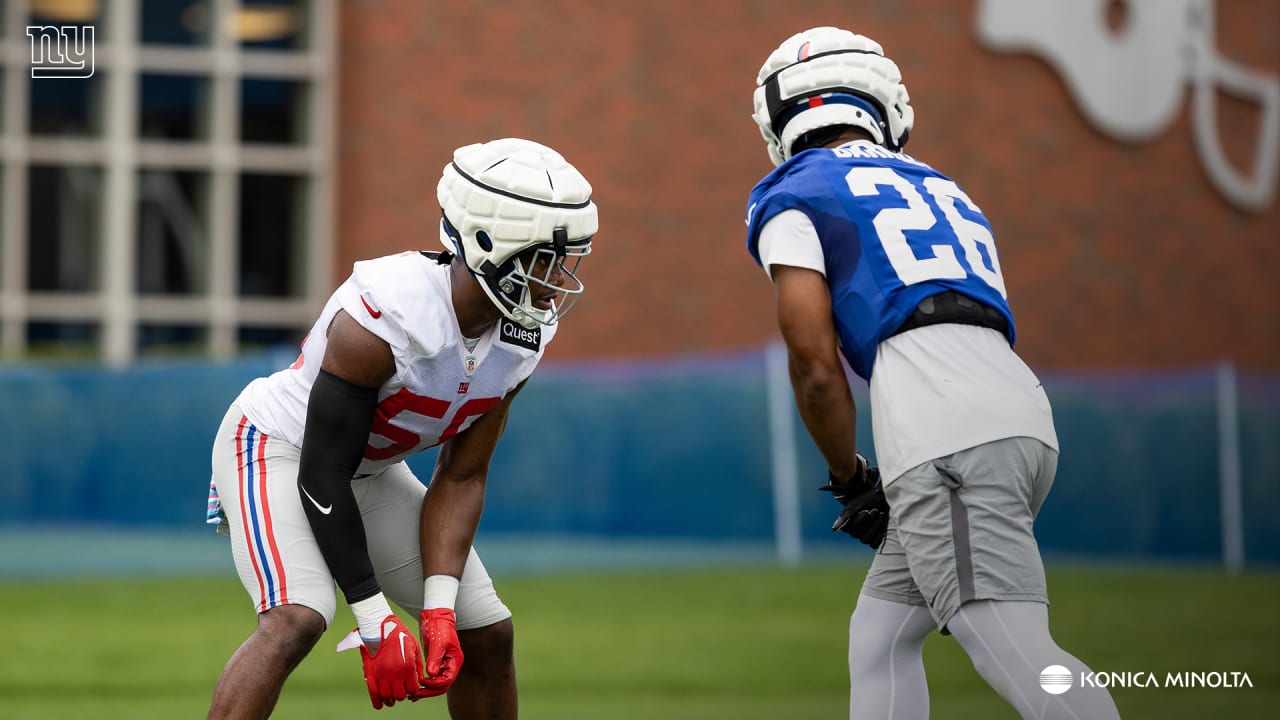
(516, 334)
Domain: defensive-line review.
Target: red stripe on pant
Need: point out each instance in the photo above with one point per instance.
(244, 511)
(281, 590)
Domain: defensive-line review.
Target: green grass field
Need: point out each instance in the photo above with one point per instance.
(741, 643)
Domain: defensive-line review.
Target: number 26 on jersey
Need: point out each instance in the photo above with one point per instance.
(972, 238)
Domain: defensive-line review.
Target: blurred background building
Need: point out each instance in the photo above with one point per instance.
(227, 161)
(205, 188)
(178, 197)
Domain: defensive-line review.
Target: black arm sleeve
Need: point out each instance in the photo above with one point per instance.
(339, 415)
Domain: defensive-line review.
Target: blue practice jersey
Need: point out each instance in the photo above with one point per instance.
(893, 231)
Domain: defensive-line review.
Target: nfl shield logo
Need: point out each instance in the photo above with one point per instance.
(470, 364)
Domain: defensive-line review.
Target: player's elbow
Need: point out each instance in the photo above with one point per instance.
(819, 364)
(815, 392)
(474, 480)
(816, 377)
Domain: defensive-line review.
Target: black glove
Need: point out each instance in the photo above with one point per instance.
(866, 512)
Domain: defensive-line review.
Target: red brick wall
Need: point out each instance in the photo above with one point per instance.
(1114, 254)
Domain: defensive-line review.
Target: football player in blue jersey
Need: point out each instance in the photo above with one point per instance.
(881, 259)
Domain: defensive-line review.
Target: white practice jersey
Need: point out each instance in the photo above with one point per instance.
(439, 387)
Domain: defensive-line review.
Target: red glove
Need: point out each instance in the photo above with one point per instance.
(393, 671)
(444, 653)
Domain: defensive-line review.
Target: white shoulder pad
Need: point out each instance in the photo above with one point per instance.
(402, 299)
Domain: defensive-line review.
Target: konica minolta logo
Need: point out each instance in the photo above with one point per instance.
(1057, 679)
(516, 334)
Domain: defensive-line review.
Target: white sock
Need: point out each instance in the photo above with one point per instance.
(1010, 645)
(886, 660)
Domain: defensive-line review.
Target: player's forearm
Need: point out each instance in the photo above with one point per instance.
(337, 428)
(450, 515)
(827, 409)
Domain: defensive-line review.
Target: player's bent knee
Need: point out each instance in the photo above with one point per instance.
(291, 629)
(488, 647)
(869, 633)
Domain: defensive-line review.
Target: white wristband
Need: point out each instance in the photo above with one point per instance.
(439, 591)
(370, 612)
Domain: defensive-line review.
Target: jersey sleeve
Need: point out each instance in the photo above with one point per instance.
(398, 299)
(778, 192)
(789, 238)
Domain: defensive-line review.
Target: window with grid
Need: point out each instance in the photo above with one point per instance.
(174, 197)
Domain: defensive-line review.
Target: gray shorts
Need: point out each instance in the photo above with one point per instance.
(960, 529)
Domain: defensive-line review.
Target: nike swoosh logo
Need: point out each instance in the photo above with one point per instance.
(374, 313)
(322, 508)
(403, 657)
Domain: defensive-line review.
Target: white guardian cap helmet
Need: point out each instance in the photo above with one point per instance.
(521, 218)
(826, 76)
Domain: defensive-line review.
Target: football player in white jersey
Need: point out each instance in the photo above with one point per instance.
(878, 257)
(413, 351)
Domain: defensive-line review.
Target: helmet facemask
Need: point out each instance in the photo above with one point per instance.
(540, 285)
(521, 219)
